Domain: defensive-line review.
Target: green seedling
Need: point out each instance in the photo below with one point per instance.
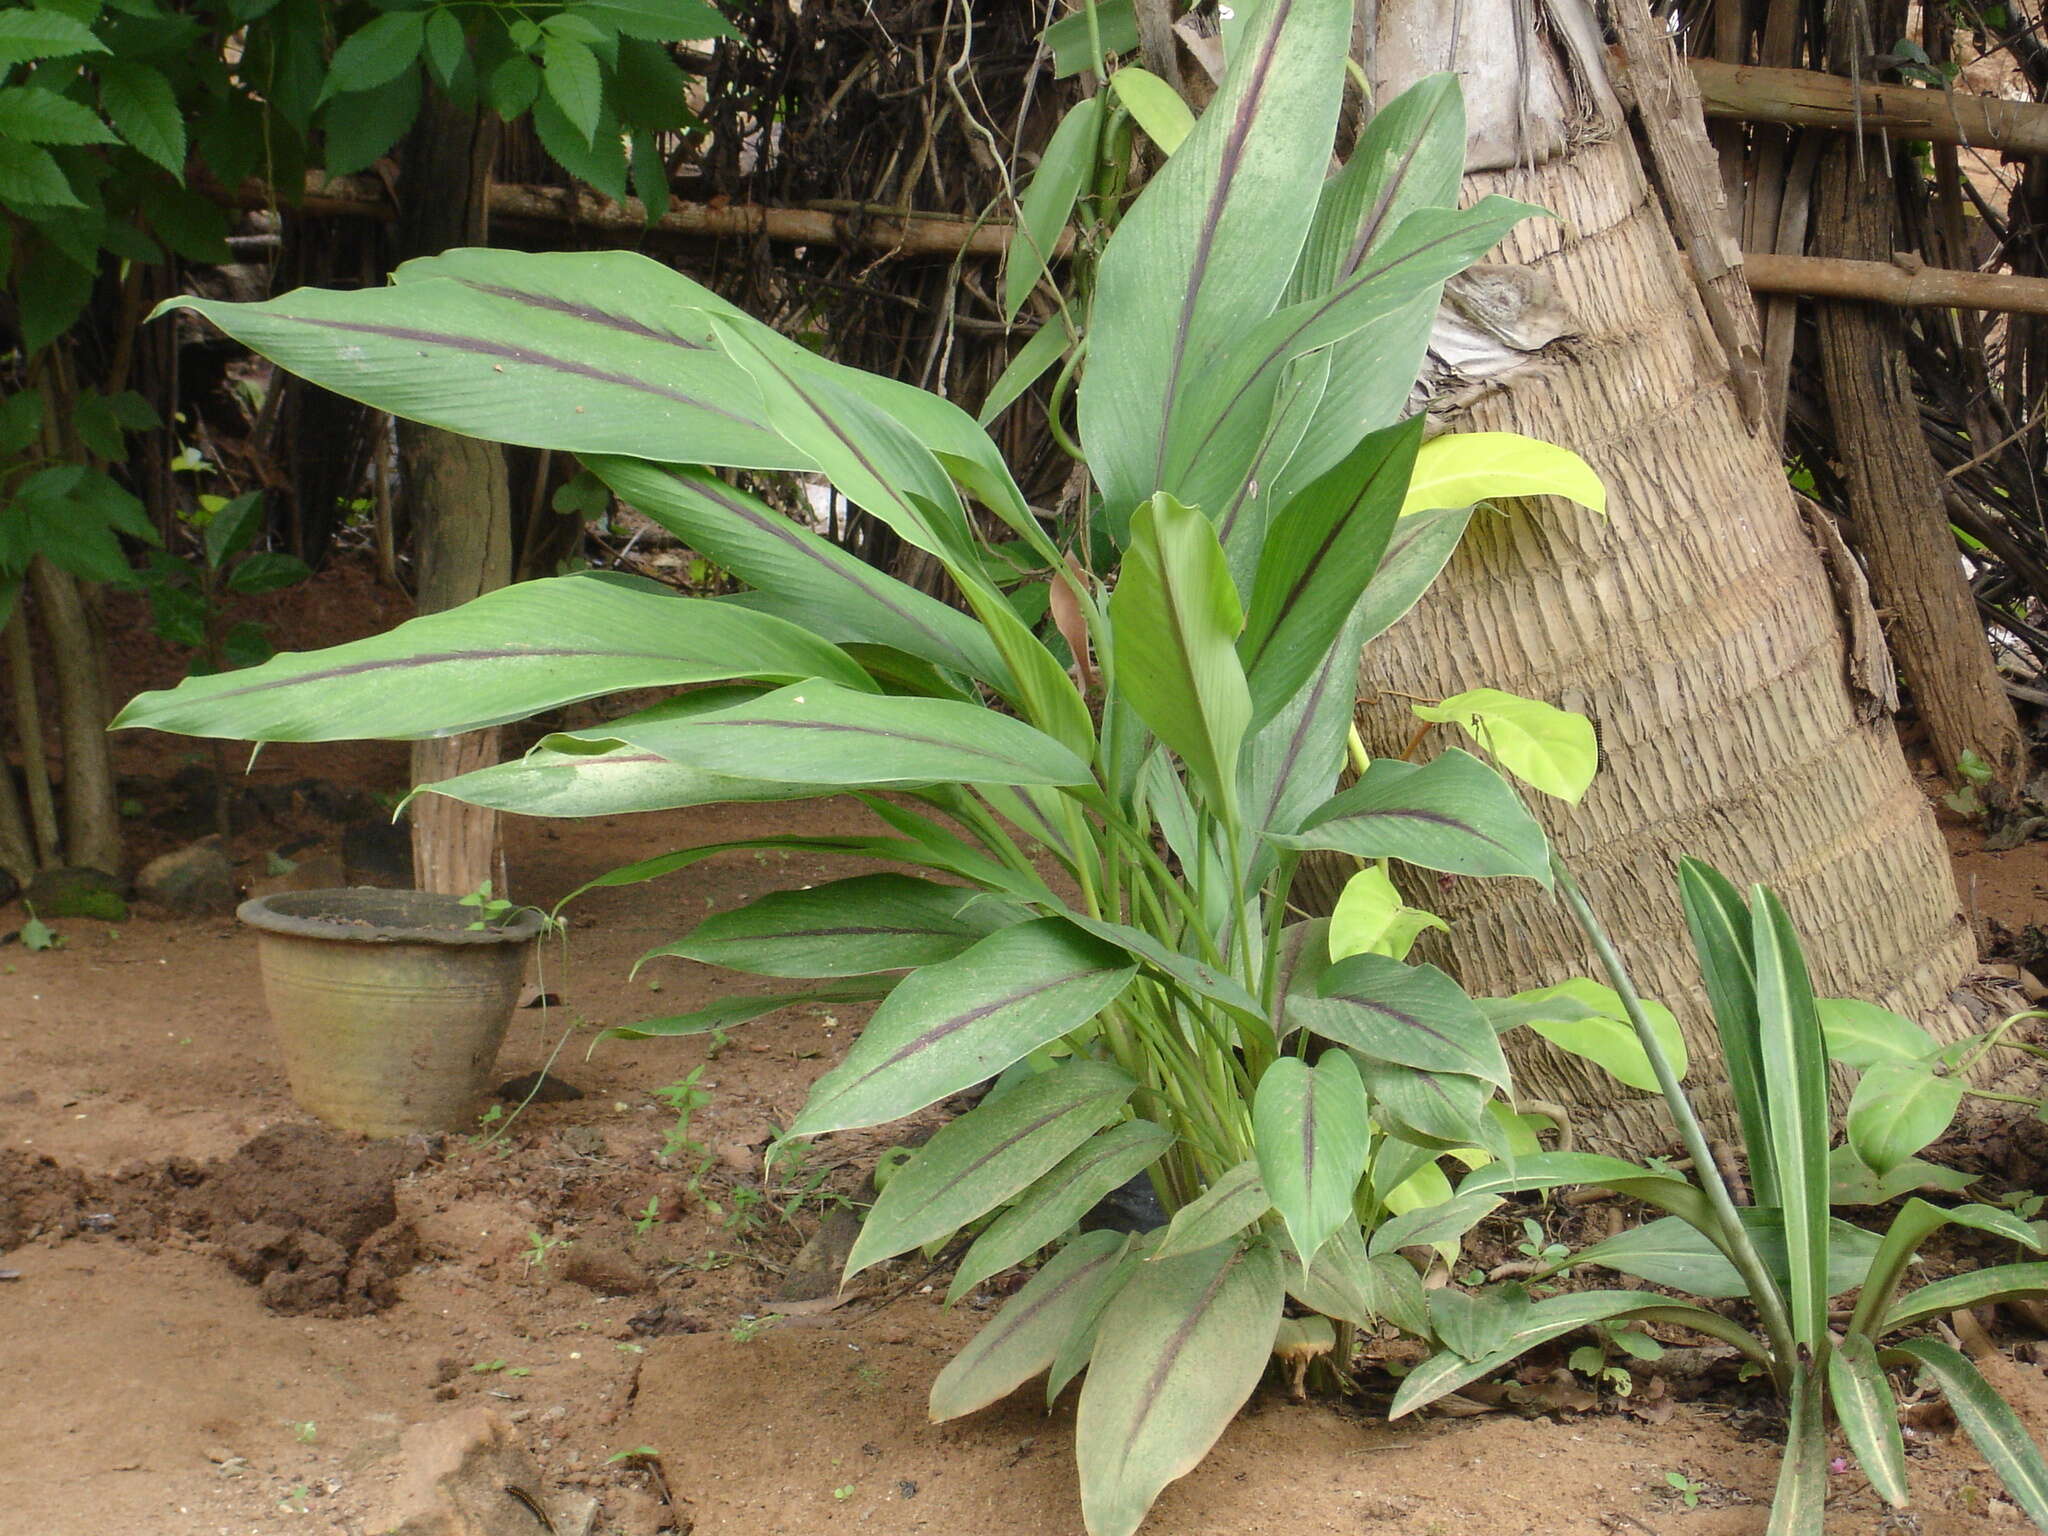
(1685, 1489)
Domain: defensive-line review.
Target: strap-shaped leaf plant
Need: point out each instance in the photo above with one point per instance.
(1255, 328)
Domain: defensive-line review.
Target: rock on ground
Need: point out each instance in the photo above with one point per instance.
(196, 880)
(467, 1474)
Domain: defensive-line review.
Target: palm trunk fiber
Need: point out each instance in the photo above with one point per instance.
(1695, 623)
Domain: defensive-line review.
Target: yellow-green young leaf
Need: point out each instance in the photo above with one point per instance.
(1592, 1023)
(1156, 106)
(1547, 748)
(1461, 468)
(1371, 918)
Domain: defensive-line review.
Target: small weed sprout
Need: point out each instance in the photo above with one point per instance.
(648, 1217)
(1685, 1489)
(540, 1249)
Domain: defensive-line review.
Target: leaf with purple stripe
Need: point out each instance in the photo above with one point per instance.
(1411, 1015)
(1179, 1350)
(1312, 1136)
(989, 1154)
(960, 1021)
(845, 928)
(821, 734)
(844, 598)
(1452, 813)
(503, 656)
(1206, 253)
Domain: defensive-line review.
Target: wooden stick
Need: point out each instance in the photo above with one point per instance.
(1903, 283)
(1808, 98)
(903, 232)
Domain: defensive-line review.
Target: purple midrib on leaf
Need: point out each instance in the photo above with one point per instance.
(1407, 1021)
(527, 358)
(1169, 1357)
(1369, 230)
(1025, 1132)
(1434, 818)
(851, 571)
(1205, 242)
(1278, 353)
(846, 931)
(1007, 1327)
(1297, 740)
(437, 658)
(586, 313)
(960, 1021)
(1316, 562)
(912, 737)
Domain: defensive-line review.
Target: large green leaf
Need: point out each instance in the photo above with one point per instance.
(1223, 1210)
(1460, 468)
(1313, 1136)
(845, 598)
(1588, 1020)
(1971, 1290)
(950, 1025)
(1447, 1370)
(1316, 562)
(1898, 1108)
(1175, 617)
(1066, 1194)
(1413, 1015)
(822, 734)
(502, 656)
(1022, 1339)
(547, 782)
(845, 928)
(1224, 417)
(1179, 1351)
(1452, 813)
(1869, 1415)
(2001, 1439)
(1861, 1034)
(987, 1156)
(1794, 1062)
(1206, 252)
(1048, 199)
(1718, 920)
(1673, 1252)
(1548, 1170)
(1547, 748)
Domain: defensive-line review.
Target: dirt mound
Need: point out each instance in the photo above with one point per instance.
(301, 1212)
(38, 1196)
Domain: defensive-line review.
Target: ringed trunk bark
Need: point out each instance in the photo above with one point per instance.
(456, 490)
(1694, 623)
(1899, 523)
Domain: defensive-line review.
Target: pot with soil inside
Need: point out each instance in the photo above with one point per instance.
(390, 1005)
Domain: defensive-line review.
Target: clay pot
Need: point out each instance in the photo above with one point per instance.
(390, 1007)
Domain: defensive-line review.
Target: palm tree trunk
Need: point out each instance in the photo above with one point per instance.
(1695, 623)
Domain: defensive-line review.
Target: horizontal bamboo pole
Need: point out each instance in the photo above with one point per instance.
(1808, 98)
(898, 231)
(1904, 284)
(944, 236)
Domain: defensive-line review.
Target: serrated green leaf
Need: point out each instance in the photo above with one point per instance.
(27, 34)
(573, 79)
(662, 21)
(37, 116)
(30, 176)
(376, 53)
(359, 126)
